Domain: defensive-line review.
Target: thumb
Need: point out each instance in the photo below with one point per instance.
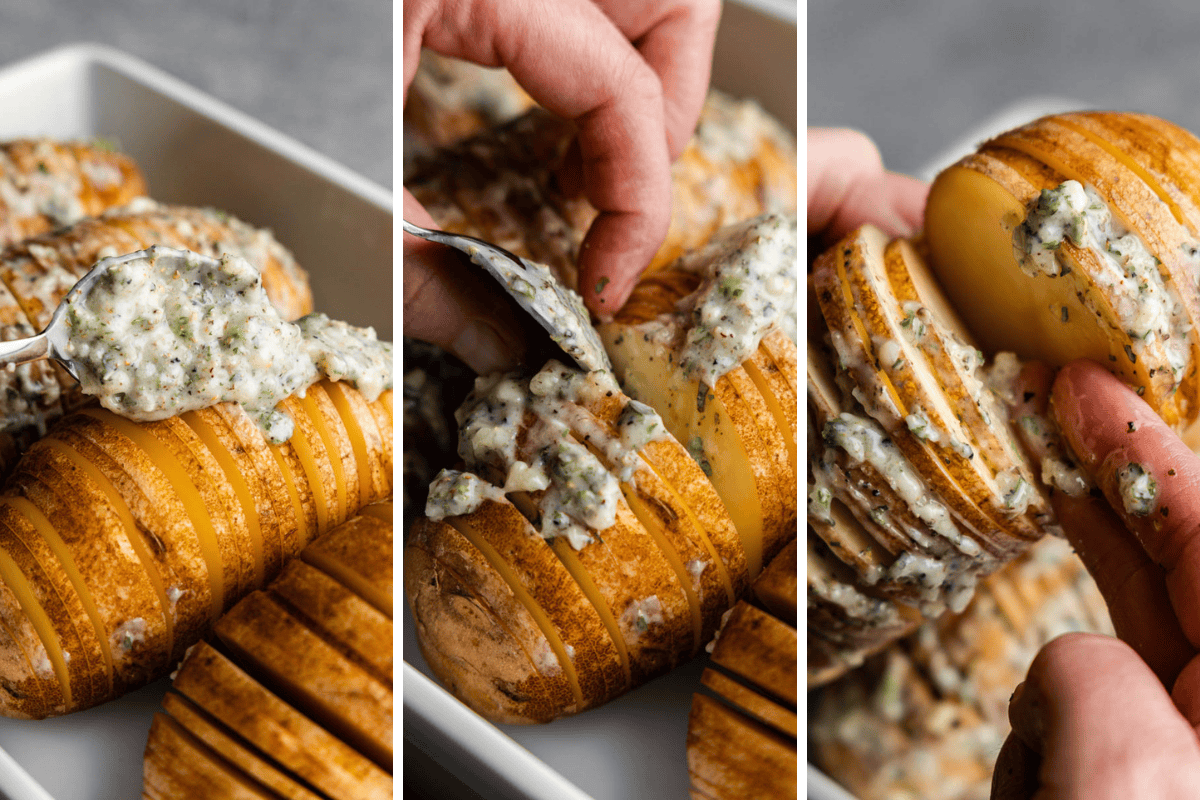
(1104, 725)
(455, 305)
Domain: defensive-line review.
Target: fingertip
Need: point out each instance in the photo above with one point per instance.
(616, 250)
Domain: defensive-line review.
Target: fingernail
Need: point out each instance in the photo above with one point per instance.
(1025, 711)
(482, 349)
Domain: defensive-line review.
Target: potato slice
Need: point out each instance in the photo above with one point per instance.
(315, 677)
(750, 702)
(881, 398)
(858, 485)
(195, 770)
(729, 432)
(731, 756)
(276, 729)
(210, 734)
(948, 347)
(360, 561)
(342, 618)
(760, 649)
(663, 513)
(922, 393)
(481, 641)
(846, 624)
(532, 568)
(1141, 211)
(776, 585)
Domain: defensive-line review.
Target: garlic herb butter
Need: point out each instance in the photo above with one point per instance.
(166, 331)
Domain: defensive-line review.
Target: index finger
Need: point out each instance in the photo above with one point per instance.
(576, 63)
(1149, 477)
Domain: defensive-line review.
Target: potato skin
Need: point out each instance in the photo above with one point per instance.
(162, 504)
(48, 184)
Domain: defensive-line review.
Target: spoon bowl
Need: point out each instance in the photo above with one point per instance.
(555, 307)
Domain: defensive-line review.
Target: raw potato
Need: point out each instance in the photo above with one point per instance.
(296, 707)
(46, 184)
(37, 273)
(122, 542)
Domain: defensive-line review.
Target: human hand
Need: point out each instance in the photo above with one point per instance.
(1099, 717)
(632, 76)
(848, 186)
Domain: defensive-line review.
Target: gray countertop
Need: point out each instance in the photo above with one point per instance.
(918, 74)
(320, 72)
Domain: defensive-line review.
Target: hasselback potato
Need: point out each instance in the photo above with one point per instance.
(529, 602)
(501, 185)
(46, 184)
(292, 695)
(122, 542)
(37, 273)
(742, 729)
(926, 717)
(932, 452)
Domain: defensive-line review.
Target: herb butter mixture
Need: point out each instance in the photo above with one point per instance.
(751, 285)
(1147, 305)
(525, 436)
(950, 563)
(167, 331)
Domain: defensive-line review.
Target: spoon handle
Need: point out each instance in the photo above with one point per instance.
(21, 351)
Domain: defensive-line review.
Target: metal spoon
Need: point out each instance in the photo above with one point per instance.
(52, 342)
(556, 308)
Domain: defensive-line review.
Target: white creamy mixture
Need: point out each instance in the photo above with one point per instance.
(165, 331)
(1146, 305)
(520, 433)
(53, 190)
(1138, 488)
(750, 285)
(1060, 467)
(557, 308)
(947, 576)
(453, 493)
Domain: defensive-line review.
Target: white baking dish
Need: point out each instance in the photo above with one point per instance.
(198, 151)
(820, 785)
(634, 747)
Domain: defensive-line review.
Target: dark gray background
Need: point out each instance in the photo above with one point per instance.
(317, 70)
(918, 74)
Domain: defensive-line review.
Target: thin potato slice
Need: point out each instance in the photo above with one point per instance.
(194, 770)
(315, 677)
(343, 618)
(922, 394)
(276, 729)
(193, 720)
(594, 656)
(943, 340)
(751, 703)
(725, 441)
(730, 756)
(958, 486)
